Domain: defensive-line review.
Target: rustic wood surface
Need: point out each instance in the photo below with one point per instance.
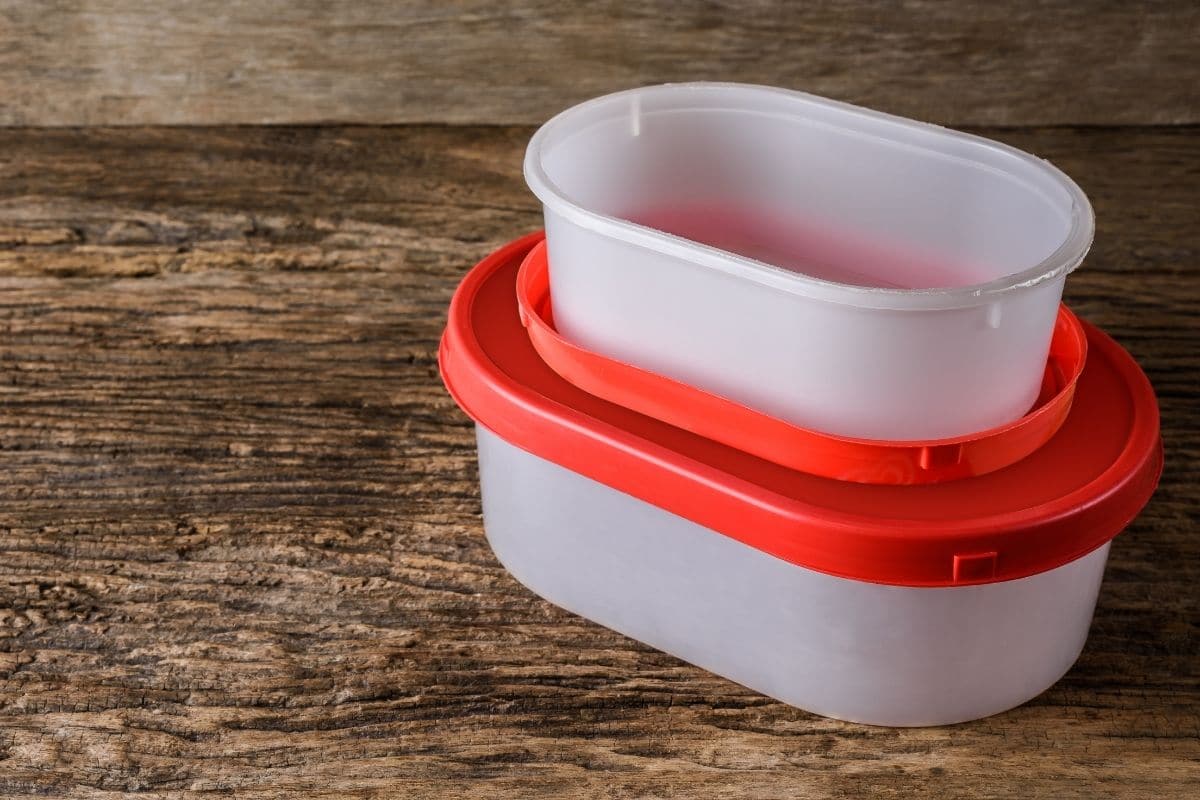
(135, 62)
(240, 541)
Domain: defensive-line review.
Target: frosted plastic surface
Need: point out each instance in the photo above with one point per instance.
(842, 269)
(857, 651)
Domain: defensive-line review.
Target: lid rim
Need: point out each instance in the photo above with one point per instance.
(872, 548)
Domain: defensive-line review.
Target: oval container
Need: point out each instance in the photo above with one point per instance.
(891, 605)
(841, 269)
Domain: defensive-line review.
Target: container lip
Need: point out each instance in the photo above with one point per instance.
(1065, 258)
(1105, 463)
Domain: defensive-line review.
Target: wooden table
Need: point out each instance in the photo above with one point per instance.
(241, 530)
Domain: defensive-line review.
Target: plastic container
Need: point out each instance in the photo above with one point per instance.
(838, 268)
(892, 605)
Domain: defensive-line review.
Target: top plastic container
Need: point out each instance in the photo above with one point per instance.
(839, 268)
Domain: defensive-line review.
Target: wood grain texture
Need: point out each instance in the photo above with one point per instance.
(135, 62)
(240, 542)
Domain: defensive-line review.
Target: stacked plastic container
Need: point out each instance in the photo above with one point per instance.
(787, 391)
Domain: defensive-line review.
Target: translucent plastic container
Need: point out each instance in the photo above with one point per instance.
(891, 605)
(838, 268)
(863, 652)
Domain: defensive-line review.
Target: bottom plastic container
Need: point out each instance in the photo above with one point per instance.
(864, 652)
(890, 605)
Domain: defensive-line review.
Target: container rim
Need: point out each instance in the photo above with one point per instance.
(991, 155)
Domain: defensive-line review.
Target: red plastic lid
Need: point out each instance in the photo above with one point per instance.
(1073, 494)
(828, 455)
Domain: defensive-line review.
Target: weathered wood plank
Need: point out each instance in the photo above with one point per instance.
(240, 546)
(131, 62)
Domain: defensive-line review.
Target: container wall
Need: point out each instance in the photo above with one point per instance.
(858, 651)
(871, 373)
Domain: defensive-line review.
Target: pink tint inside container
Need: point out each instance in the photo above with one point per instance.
(807, 247)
